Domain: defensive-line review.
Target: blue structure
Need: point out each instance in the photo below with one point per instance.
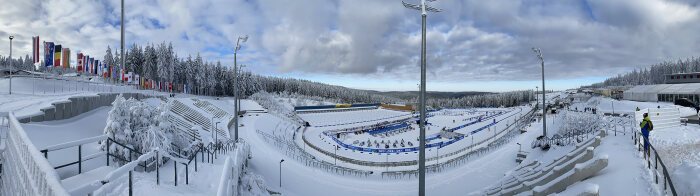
(298, 108)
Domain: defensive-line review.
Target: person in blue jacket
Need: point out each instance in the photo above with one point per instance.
(646, 126)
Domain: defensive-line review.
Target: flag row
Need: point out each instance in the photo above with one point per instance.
(57, 56)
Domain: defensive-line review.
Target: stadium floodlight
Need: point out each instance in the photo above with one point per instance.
(544, 106)
(421, 155)
(236, 99)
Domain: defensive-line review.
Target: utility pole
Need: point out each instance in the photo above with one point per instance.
(421, 155)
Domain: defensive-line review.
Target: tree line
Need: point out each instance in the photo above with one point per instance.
(159, 62)
(654, 74)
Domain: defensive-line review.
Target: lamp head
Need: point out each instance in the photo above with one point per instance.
(243, 38)
(12, 37)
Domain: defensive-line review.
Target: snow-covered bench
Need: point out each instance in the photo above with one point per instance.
(535, 174)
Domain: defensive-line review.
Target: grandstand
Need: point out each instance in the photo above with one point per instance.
(538, 178)
(185, 116)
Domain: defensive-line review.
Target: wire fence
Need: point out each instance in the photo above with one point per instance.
(497, 141)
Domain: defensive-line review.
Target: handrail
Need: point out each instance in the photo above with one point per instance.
(667, 176)
(23, 163)
(74, 143)
(231, 169)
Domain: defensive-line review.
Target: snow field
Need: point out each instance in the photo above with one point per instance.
(316, 137)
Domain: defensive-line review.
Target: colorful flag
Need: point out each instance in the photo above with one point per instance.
(86, 61)
(79, 58)
(48, 53)
(66, 58)
(105, 69)
(57, 56)
(92, 64)
(97, 66)
(85, 68)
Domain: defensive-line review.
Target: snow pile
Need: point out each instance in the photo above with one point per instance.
(686, 178)
(141, 127)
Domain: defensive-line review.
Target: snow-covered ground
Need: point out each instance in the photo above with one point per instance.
(626, 173)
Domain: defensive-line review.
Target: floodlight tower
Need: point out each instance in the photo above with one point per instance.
(421, 155)
(241, 39)
(544, 106)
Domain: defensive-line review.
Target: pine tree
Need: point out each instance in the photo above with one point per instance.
(108, 58)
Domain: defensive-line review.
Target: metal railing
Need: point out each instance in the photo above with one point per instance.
(639, 142)
(79, 144)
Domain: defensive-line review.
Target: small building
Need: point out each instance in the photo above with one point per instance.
(682, 78)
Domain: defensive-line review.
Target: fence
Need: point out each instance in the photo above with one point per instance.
(637, 136)
(497, 140)
(233, 169)
(25, 171)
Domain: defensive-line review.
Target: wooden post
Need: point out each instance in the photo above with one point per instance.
(157, 169)
(187, 174)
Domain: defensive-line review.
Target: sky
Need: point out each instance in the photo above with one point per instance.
(472, 45)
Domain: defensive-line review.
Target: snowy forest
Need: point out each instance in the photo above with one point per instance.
(652, 75)
(159, 62)
(24, 63)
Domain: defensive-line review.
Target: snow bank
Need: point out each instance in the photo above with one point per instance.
(686, 178)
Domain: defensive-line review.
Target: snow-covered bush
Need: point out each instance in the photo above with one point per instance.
(567, 122)
(275, 107)
(253, 184)
(142, 127)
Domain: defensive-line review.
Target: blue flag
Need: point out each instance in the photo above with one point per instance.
(48, 54)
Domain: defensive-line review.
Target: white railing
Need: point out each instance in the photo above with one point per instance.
(25, 170)
(233, 169)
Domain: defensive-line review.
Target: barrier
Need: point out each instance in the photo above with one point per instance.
(25, 171)
(233, 169)
(661, 117)
(75, 106)
(639, 140)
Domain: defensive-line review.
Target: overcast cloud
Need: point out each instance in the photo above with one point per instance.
(471, 40)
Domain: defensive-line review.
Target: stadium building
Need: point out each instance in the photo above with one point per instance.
(682, 85)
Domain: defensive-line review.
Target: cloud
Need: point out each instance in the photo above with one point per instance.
(471, 40)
